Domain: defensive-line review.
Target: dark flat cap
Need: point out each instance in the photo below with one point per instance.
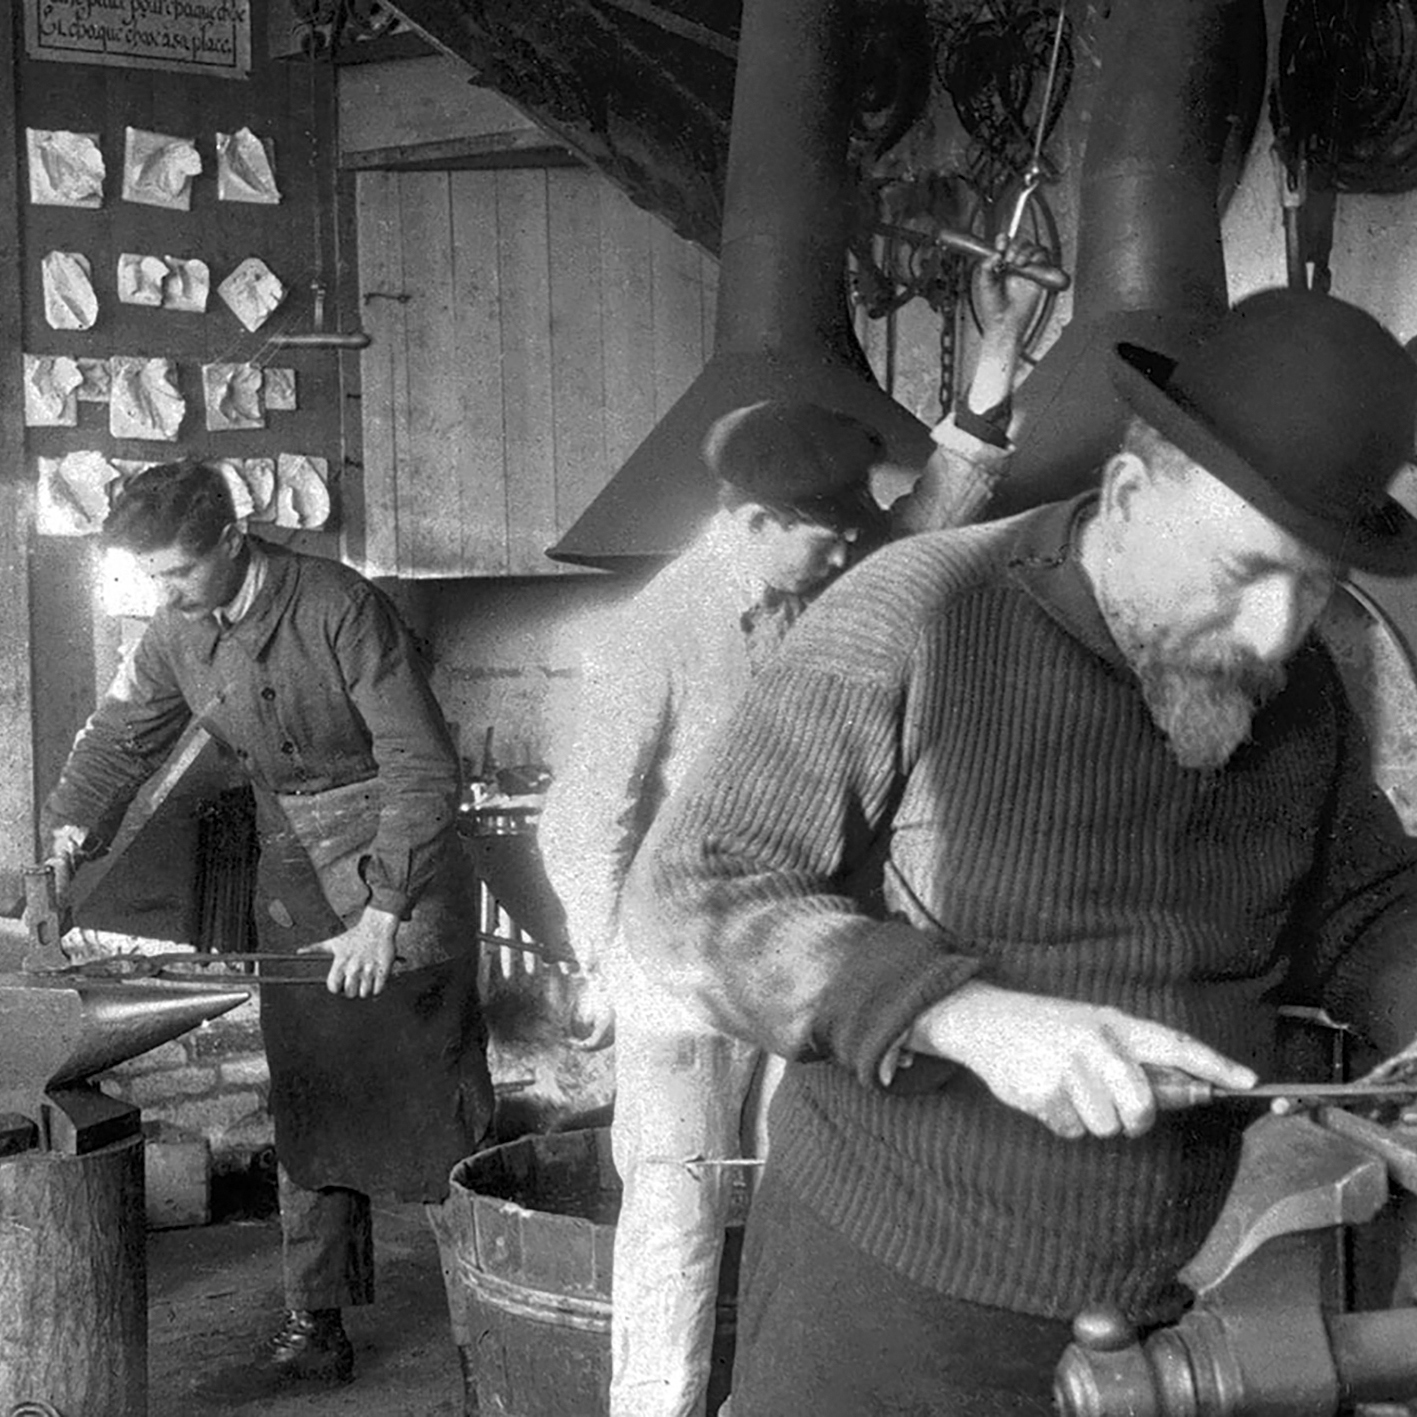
(793, 454)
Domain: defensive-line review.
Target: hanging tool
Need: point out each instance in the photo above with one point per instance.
(1049, 277)
(1034, 174)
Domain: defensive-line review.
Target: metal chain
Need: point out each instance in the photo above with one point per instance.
(948, 308)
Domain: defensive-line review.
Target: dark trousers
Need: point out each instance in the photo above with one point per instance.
(327, 1246)
(826, 1331)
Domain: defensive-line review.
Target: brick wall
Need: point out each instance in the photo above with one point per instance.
(211, 1083)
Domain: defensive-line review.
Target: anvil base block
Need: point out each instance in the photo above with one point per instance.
(73, 1282)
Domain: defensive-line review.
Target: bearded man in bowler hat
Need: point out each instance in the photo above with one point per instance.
(1019, 812)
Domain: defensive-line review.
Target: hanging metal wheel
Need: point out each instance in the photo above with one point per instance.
(1039, 226)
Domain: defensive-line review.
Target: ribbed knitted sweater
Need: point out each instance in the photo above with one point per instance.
(950, 773)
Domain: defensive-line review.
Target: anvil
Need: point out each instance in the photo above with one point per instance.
(58, 1031)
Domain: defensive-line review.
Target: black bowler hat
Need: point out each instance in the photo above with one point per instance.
(799, 457)
(1304, 405)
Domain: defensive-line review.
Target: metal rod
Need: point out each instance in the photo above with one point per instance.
(1049, 277)
(1174, 1090)
(1041, 130)
(320, 339)
(1033, 173)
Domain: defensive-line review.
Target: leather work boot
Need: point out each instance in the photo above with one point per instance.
(312, 1344)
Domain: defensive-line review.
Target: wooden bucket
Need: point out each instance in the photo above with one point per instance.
(525, 1239)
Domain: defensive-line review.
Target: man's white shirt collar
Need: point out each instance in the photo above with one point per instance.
(239, 606)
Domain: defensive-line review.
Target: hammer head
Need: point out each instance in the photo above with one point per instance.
(46, 920)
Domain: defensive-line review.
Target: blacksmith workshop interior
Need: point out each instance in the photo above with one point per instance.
(451, 291)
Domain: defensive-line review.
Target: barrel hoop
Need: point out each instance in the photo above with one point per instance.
(523, 1301)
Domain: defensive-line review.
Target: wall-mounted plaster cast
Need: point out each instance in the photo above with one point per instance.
(65, 169)
(72, 495)
(50, 382)
(144, 401)
(69, 299)
(244, 172)
(252, 291)
(233, 396)
(158, 169)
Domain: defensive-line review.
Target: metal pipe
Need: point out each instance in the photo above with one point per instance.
(782, 324)
(1177, 85)
(321, 339)
(784, 208)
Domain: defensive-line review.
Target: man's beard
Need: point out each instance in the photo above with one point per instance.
(1202, 697)
(1205, 710)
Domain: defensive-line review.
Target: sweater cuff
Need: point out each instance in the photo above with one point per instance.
(870, 1008)
(397, 903)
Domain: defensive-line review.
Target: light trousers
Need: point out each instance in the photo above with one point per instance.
(682, 1096)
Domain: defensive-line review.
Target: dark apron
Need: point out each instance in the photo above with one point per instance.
(382, 1095)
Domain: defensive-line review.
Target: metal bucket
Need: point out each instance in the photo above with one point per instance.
(525, 1238)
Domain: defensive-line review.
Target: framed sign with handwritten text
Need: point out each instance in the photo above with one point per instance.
(190, 36)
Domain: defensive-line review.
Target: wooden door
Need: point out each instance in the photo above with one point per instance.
(529, 327)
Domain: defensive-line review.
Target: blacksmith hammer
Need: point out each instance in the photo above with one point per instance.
(30, 932)
(46, 919)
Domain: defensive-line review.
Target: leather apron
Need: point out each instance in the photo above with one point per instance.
(381, 1095)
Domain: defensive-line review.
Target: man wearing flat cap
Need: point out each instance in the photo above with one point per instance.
(659, 677)
(1019, 812)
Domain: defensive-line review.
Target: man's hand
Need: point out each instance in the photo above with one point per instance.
(1398, 1070)
(592, 1014)
(1076, 1067)
(1005, 301)
(363, 955)
(66, 854)
(1006, 304)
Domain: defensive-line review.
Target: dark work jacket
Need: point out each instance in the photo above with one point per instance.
(319, 694)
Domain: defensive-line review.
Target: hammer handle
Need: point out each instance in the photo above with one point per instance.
(1049, 277)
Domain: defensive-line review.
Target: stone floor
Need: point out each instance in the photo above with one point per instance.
(214, 1296)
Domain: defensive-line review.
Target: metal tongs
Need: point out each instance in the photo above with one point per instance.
(196, 966)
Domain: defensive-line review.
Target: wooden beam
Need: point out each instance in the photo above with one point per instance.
(527, 149)
(17, 785)
(675, 24)
(646, 107)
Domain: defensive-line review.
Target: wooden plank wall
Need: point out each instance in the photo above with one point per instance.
(529, 326)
